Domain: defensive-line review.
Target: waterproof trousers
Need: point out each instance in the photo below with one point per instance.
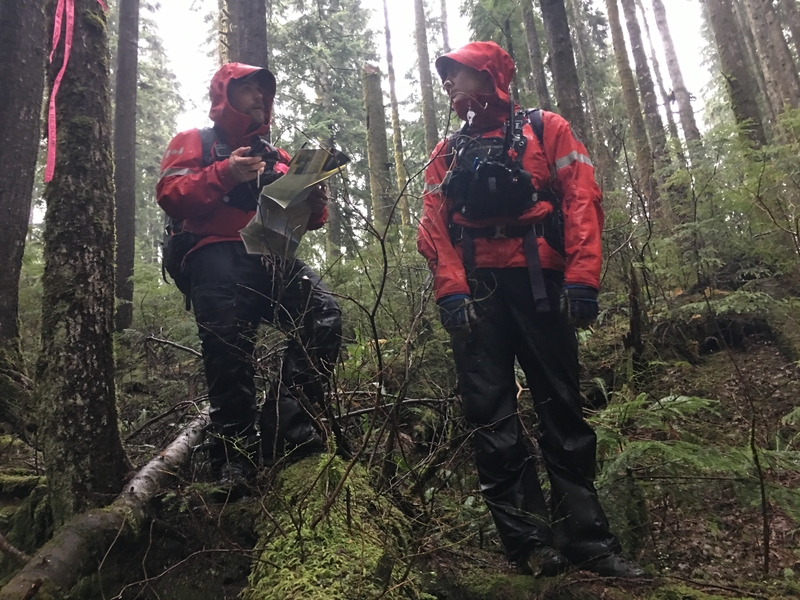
(232, 292)
(508, 327)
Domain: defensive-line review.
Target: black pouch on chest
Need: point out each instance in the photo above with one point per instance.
(486, 183)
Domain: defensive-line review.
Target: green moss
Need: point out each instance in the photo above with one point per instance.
(354, 552)
(19, 486)
(32, 523)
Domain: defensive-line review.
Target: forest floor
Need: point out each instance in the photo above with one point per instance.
(699, 471)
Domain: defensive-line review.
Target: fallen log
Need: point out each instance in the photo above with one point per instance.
(78, 546)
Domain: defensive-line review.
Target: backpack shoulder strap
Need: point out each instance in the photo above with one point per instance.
(207, 138)
(535, 119)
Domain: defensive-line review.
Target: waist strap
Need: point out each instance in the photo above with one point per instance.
(529, 233)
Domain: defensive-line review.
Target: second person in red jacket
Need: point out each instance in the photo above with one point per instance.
(511, 231)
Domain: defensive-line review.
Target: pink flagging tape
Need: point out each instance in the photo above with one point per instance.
(65, 8)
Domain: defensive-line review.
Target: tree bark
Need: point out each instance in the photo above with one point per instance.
(783, 84)
(77, 548)
(682, 98)
(644, 155)
(506, 29)
(251, 32)
(562, 63)
(671, 124)
(582, 59)
(125, 157)
(445, 31)
(397, 135)
(83, 453)
(23, 43)
(535, 53)
(380, 181)
(425, 80)
(740, 81)
(770, 111)
(655, 127)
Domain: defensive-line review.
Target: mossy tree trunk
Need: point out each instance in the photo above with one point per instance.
(682, 97)
(769, 111)
(644, 157)
(791, 16)
(125, 157)
(445, 31)
(780, 72)
(672, 126)
(425, 80)
(397, 134)
(84, 459)
(740, 82)
(647, 91)
(562, 64)
(380, 180)
(535, 53)
(23, 43)
(251, 32)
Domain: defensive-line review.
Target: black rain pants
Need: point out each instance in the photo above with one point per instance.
(508, 327)
(232, 291)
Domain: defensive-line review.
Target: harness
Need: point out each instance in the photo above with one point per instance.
(476, 199)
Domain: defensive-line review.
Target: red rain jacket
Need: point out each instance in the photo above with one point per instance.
(190, 192)
(573, 182)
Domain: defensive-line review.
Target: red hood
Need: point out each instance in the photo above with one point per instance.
(233, 123)
(487, 57)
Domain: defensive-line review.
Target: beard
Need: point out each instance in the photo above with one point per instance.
(487, 109)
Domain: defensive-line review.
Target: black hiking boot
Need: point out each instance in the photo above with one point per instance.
(543, 561)
(232, 482)
(615, 565)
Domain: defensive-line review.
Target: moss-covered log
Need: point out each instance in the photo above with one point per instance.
(80, 545)
(359, 549)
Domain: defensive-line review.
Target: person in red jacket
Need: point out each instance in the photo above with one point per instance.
(511, 231)
(232, 291)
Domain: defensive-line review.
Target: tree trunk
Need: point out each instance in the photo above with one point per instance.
(397, 135)
(84, 459)
(125, 157)
(644, 155)
(655, 127)
(671, 125)
(76, 549)
(783, 84)
(682, 97)
(562, 63)
(506, 28)
(23, 43)
(535, 53)
(425, 81)
(770, 111)
(380, 180)
(740, 82)
(251, 32)
(445, 33)
(593, 137)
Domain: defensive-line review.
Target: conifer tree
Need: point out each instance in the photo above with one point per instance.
(75, 385)
(562, 64)
(535, 55)
(380, 182)
(425, 79)
(739, 80)
(125, 156)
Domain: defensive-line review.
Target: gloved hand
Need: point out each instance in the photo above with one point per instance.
(579, 303)
(456, 312)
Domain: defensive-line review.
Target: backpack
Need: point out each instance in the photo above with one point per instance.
(177, 243)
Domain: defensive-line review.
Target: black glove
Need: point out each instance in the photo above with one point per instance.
(579, 303)
(456, 312)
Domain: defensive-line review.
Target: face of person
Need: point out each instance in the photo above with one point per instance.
(462, 80)
(247, 97)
